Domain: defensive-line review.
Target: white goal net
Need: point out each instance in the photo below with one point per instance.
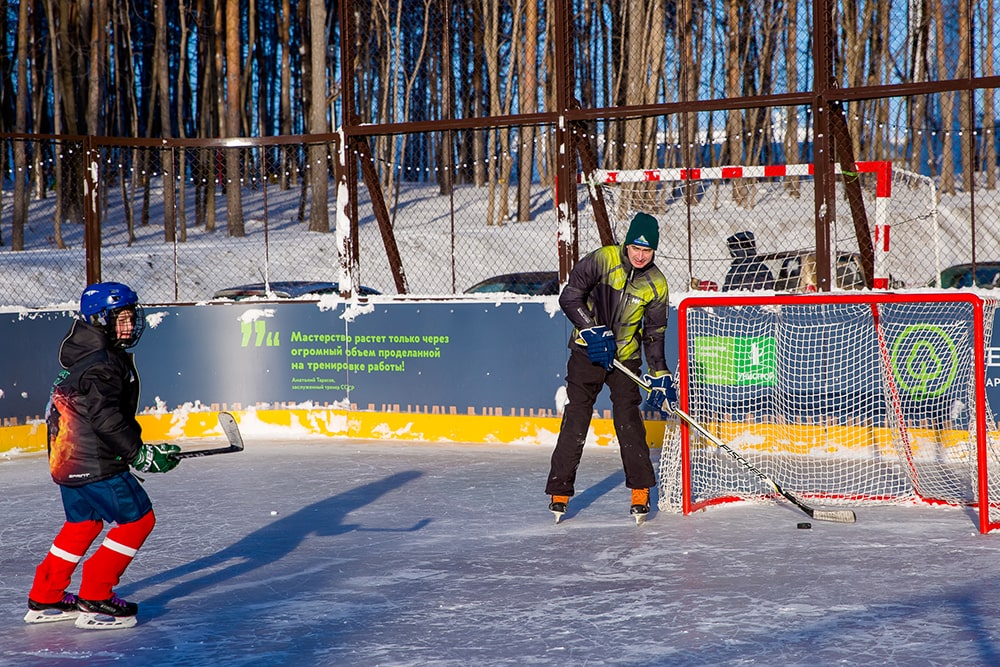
(847, 398)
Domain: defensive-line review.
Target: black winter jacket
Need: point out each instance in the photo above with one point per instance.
(604, 288)
(92, 430)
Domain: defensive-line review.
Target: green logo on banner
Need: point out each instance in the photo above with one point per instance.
(255, 334)
(725, 360)
(925, 361)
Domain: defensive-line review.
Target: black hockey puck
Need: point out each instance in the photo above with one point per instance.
(804, 525)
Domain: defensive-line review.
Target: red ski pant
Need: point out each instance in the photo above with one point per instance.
(102, 571)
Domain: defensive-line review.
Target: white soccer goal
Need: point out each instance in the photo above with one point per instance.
(848, 399)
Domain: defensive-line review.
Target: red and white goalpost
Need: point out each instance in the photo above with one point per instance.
(844, 399)
(777, 206)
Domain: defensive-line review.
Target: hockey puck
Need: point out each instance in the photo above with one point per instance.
(804, 525)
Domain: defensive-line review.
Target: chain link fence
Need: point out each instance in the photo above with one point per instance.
(451, 231)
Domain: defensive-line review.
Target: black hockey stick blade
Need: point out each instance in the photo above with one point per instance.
(837, 516)
(232, 431)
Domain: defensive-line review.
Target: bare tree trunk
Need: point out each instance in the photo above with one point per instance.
(37, 66)
(446, 153)
(56, 125)
(478, 136)
(182, 85)
(285, 109)
(319, 210)
(208, 101)
(918, 38)
(234, 204)
(97, 67)
(408, 92)
(989, 64)
(166, 155)
(490, 12)
(947, 180)
(735, 48)
(21, 127)
(128, 114)
(68, 22)
(964, 140)
(791, 142)
(247, 72)
(528, 102)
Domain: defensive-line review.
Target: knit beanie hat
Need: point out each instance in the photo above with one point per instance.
(742, 244)
(643, 231)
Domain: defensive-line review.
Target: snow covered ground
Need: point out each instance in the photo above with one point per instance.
(446, 246)
(337, 552)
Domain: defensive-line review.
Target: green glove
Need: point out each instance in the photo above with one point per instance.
(156, 458)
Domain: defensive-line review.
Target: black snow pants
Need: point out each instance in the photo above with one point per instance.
(584, 382)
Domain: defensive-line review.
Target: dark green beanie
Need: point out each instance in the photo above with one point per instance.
(643, 231)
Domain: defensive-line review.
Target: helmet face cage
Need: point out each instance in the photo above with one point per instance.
(100, 305)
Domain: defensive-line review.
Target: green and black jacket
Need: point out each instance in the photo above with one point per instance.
(604, 288)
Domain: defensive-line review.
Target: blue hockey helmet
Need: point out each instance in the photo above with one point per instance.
(100, 304)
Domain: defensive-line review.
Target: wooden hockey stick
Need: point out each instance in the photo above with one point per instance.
(232, 431)
(837, 516)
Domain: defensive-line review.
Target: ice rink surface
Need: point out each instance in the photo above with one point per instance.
(372, 553)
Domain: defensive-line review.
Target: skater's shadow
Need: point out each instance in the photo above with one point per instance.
(587, 497)
(270, 543)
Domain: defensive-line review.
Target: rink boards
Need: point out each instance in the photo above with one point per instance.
(446, 370)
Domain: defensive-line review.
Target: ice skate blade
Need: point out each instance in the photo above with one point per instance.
(49, 616)
(558, 515)
(90, 621)
(639, 513)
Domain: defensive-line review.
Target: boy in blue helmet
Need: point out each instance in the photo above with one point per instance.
(616, 298)
(93, 440)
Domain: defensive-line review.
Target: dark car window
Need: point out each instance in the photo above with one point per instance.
(529, 283)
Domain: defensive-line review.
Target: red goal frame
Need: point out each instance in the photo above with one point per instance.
(986, 524)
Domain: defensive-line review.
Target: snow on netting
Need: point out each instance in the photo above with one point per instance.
(805, 393)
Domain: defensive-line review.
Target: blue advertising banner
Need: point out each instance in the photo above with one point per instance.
(457, 357)
(463, 355)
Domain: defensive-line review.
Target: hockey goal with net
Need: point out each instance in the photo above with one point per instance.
(847, 398)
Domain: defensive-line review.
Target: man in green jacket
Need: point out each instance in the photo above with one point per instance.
(616, 299)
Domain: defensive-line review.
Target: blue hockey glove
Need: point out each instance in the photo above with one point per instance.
(662, 393)
(156, 458)
(601, 346)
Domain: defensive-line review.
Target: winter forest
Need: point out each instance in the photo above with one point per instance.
(482, 96)
(240, 68)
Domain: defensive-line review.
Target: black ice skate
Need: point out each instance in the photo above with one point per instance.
(47, 612)
(558, 506)
(106, 614)
(640, 505)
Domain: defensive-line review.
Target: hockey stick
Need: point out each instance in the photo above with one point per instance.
(838, 516)
(232, 431)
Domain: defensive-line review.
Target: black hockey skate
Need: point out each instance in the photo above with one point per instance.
(558, 506)
(47, 612)
(106, 614)
(640, 505)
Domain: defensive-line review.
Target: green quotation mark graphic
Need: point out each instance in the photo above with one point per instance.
(258, 333)
(925, 361)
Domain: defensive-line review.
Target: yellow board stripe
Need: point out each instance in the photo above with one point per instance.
(313, 423)
(283, 424)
